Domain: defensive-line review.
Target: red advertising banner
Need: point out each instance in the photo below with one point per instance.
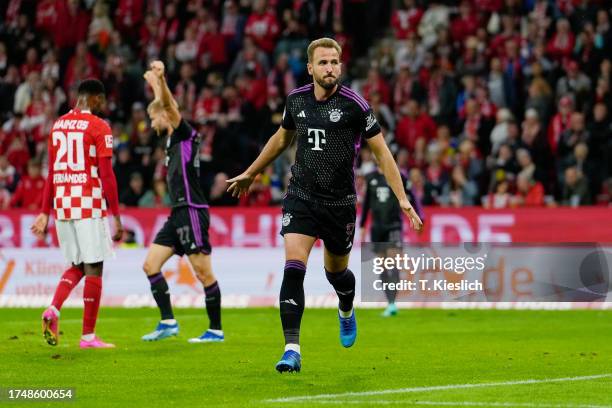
(259, 227)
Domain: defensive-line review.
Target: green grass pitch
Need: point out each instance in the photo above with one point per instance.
(453, 352)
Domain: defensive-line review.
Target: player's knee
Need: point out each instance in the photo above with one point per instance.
(148, 268)
(203, 274)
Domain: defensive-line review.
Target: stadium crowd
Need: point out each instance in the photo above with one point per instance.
(499, 103)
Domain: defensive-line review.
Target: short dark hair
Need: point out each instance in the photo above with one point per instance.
(91, 87)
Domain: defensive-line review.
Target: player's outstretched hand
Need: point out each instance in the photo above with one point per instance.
(118, 228)
(239, 185)
(415, 221)
(158, 68)
(39, 228)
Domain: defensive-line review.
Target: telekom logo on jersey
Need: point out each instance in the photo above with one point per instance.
(316, 136)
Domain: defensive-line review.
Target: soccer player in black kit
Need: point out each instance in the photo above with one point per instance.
(328, 120)
(386, 224)
(186, 230)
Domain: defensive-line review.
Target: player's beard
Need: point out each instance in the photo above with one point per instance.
(326, 85)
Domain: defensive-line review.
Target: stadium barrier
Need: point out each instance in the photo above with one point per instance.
(248, 256)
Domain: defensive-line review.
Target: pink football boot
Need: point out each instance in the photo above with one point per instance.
(95, 343)
(50, 325)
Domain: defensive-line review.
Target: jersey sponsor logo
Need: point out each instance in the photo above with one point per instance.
(65, 124)
(383, 194)
(302, 114)
(317, 137)
(63, 178)
(109, 141)
(371, 122)
(286, 219)
(335, 115)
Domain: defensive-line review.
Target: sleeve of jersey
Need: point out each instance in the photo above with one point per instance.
(104, 141)
(184, 131)
(369, 124)
(109, 184)
(288, 122)
(48, 190)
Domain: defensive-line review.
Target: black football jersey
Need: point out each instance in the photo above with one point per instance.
(381, 201)
(183, 162)
(328, 137)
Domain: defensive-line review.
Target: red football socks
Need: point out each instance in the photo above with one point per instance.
(91, 300)
(69, 280)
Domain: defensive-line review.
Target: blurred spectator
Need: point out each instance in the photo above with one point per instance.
(576, 83)
(123, 167)
(134, 192)
(529, 193)
(158, 197)
(262, 26)
(100, 27)
(28, 194)
(576, 133)
(459, 191)
(561, 45)
(375, 83)
(218, 193)
(129, 15)
(421, 190)
(187, 50)
(500, 198)
(169, 25)
(413, 126)
(251, 59)
(409, 55)
(23, 94)
(405, 20)
(436, 17)
(260, 194)
(499, 134)
(560, 122)
(232, 26)
(576, 188)
(8, 175)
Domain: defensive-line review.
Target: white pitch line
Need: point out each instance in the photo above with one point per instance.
(435, 388)
(463, 404)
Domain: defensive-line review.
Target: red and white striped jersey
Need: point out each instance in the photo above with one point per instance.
(76, 143)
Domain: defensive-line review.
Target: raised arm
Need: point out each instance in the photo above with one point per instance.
(163, 93)
(153, 82)
(394, 179)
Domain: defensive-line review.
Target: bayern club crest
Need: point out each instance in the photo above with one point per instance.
(335, 115)
(286, 219)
